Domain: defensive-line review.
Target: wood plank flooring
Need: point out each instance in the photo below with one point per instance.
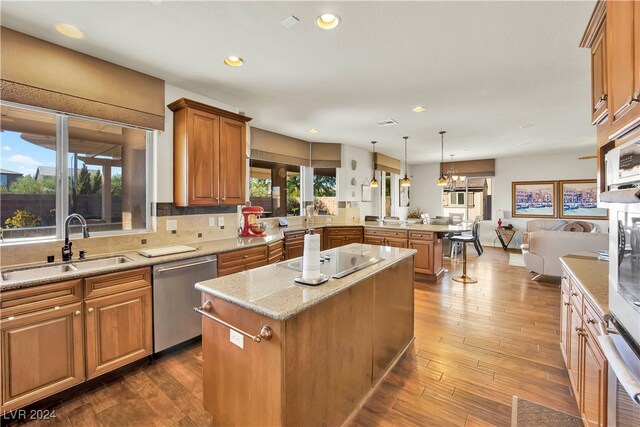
(476, 346)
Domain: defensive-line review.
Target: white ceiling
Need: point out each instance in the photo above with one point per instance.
(487, 71)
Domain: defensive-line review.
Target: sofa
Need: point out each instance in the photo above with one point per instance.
(542, 254)
(558, 225)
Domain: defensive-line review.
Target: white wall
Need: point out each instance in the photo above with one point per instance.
(553, 166)
(163, 149)
(363, 173)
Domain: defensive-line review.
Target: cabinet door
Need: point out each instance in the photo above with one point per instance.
(118, 330)
(397, 242)
(294, 249)
(352, 239)
(620, 27)
(42, 353)
(202, 158)
(565, 321)
(575, 347)
(599, 78)
(423, 260)
(334, 241)
(594, 384)
(374, 240)
(232, 162)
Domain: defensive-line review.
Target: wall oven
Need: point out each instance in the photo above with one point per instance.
(620, 341)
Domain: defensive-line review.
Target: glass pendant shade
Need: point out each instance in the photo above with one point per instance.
(373, 183)
(442, 181)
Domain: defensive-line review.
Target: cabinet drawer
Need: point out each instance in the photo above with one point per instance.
(35, 298)
(242, 257)
(385, 233)
(575, 295)
(421, 235)
(294, 236)
(120, 281)
(344, 231)
(592, 319)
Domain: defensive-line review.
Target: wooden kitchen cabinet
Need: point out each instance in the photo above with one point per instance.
(275, 251)
(585, 361)
(209, 152)
(294, 244)
(242, 259)
(42, 354)
(394, 238)
(118, 326)
(340, 236)
(599, 77)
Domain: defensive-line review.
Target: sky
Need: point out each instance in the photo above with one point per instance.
(20, 156)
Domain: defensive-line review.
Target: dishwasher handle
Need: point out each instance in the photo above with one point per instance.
(179, 267)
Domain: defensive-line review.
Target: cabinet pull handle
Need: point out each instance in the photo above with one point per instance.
(575, 294)
(564, 277)
(245, 256)
(633, 99)
(579, 329)
(266, 332)
(603, 97)
(567, 303)
(77, 312)
(90, 309)
(592, 321)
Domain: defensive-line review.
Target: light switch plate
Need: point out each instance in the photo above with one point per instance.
(220, 221)
(236, 338)
(212, 221)
(172, 224)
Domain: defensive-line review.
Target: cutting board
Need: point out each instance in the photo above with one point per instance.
(166, 250)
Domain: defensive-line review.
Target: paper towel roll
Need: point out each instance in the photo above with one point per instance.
(311, 257)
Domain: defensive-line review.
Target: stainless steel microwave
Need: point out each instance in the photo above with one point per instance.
(623, 163)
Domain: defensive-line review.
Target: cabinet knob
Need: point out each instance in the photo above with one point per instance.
(604, 97)
(575, 294)
(567, 303)
(579, 329)
(592, 321)
(90, 309)
(245, 256)
(632, 99)
(78, 312)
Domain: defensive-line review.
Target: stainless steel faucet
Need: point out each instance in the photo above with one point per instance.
(66, 249)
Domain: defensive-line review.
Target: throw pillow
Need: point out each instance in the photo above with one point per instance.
(557, 226)
(586, 226)
(573, 226)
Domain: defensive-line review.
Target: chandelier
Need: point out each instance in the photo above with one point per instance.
(453, 180)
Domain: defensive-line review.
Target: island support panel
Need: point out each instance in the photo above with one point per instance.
(320, 363)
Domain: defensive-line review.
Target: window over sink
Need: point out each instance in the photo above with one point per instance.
(55, 164)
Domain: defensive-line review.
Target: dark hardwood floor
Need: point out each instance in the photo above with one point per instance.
(476, 346)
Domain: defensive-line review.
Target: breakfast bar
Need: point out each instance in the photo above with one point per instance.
(280, 353)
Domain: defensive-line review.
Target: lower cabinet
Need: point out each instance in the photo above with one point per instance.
(294, 244)
(242, 259)
(42, 354)
(53, 337)
(585, 361)
(275, 251)
(428, 259)
(340, 236)
(119, 330)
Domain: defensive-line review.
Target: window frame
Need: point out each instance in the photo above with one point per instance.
(62, 172)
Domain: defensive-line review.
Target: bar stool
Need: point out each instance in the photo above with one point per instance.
(464, 240)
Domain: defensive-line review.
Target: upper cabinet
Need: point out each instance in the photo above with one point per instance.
(599, 77)
(209, 155)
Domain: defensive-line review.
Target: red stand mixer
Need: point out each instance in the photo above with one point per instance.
(252, 228)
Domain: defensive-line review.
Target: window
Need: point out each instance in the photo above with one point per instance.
(324, 191)
(106, 166)
(275, 187)
(387, 193)
(477, 194)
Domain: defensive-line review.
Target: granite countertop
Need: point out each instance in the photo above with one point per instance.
(272, 292)
(203, 248)
(592, 276)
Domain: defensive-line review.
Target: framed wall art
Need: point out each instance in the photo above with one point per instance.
(534, 199)
(579, 200)
(366, 193)
(404, 199)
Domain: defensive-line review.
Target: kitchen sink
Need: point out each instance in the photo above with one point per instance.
(102, 262)
(45, 272)
(37, 272)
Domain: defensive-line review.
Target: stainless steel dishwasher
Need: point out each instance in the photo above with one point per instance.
(174, 296)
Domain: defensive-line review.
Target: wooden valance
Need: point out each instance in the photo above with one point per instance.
(326, 155)
(277, 148)
(485, 167)
(386, 164)
(42, 74)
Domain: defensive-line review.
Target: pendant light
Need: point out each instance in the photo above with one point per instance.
(442, 181)
(405, 181)
(374, 181)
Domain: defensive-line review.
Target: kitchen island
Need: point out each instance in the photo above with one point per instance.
(279, 353)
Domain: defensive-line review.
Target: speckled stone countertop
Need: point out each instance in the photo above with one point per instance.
(592, 276)
(203, 248)
(272, 292)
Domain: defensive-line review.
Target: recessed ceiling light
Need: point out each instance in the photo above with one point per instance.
(418, 109)
(314, 130)
(70, 31)
(527, 126)
(328, 21)
(233, 61)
